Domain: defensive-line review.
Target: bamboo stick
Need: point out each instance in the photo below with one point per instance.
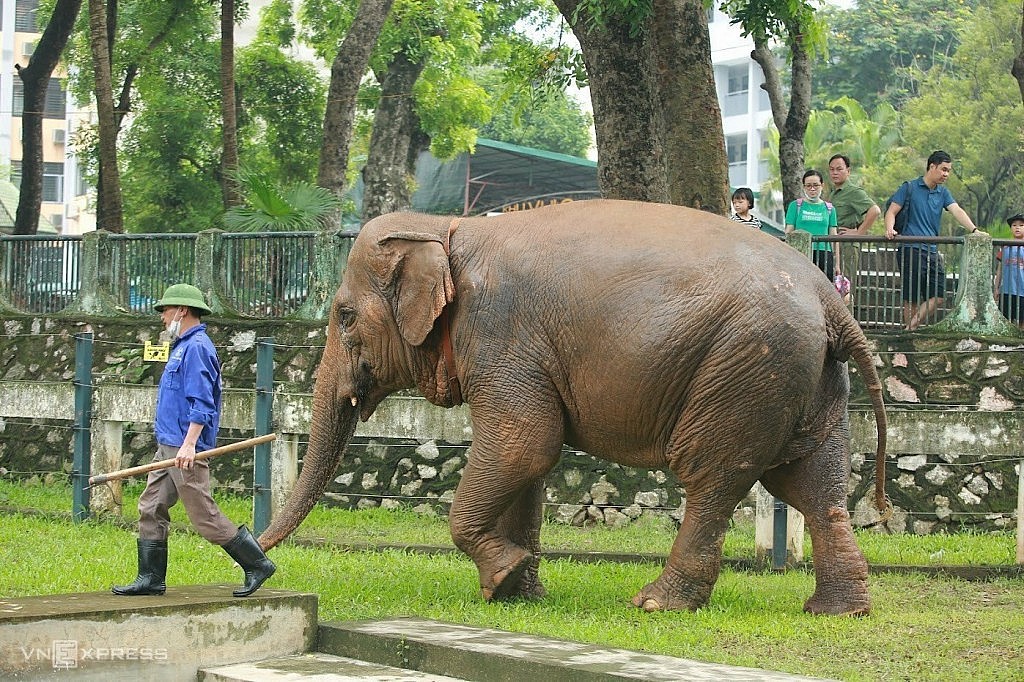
(166, 463)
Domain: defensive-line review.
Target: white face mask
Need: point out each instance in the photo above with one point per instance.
(174, 328)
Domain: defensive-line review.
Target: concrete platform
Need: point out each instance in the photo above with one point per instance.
(315, 667)
(487, 655)
(100, 636)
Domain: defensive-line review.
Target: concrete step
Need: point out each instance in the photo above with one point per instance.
(315, 667)
(487, 655)
(100, 636)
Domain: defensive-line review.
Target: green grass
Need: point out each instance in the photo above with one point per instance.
(921, 628)
(650, 535)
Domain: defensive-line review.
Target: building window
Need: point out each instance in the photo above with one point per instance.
(736, 151)
(739, 79)
(735, 102)
(25, 16)
(53, 180)
(55, 105)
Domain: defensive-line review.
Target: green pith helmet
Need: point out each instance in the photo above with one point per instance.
(183, 294)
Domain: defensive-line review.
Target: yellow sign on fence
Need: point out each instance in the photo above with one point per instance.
(156, 353)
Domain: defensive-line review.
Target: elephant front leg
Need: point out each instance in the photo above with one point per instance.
(495, 517)
(500, 562)
(520, 524)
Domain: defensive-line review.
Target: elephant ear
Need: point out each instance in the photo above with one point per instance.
(418, 279)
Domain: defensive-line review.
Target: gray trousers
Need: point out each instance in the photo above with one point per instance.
(165, 487)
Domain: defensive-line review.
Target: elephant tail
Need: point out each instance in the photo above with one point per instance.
(847, 340)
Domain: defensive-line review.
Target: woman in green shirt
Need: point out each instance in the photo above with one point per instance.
(818, 217)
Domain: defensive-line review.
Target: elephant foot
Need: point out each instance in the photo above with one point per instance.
(530, 587)
(852, 602)
(505, 583)
(658, 596)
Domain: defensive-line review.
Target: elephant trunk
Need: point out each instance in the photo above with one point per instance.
(333, 424)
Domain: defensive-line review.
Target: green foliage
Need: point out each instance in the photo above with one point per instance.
(270, 207)
(971, 108)
(544, 119)
(879, 50)
(602, 13)
(170, 155)
(782, 20)
(282, 104)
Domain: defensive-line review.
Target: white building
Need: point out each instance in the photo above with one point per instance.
(65, 196)
(746, 112)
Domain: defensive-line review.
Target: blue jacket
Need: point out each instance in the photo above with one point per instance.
(189, 391)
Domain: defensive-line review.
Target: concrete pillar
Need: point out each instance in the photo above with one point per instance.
(330, 252)
(96, 295)
(106, 455)
(284, 469)
(801, 241)
(209, 265)
(974, 309)
(764, 527)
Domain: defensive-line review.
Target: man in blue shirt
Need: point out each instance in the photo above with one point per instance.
(187, 415)
(921, 270)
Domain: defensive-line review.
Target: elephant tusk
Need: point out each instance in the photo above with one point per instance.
(353, 401)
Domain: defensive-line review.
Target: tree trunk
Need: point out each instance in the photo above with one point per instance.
(696, 166)
(229, 134)
(346, 72)
(36, 79)
(395, 126)
(623, 91)
(791, 119)
(108, 201)
(1018, 62)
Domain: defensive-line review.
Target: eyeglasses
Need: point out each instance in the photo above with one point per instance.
(812, 186)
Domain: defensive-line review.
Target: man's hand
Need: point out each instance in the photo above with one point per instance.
(186, 456)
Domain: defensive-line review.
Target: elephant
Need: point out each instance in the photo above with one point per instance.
(651, 335)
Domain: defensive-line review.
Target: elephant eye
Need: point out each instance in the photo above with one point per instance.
(346, 317)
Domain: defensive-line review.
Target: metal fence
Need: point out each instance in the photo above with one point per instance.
(1007, 270)
(267, 274)
(146, 264)
(884, 295)
(40, 273)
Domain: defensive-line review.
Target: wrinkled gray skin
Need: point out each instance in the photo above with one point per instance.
(649, 335)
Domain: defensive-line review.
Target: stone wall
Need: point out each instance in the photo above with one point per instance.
(933, 487)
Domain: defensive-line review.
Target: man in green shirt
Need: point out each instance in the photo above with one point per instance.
(855, 211)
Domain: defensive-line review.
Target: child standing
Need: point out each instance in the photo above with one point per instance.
(1009, 288)
(742, 202)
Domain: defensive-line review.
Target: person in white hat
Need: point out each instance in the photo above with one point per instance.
(187, 414)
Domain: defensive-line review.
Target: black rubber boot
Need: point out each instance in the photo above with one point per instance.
(152, 571)
(244, 549)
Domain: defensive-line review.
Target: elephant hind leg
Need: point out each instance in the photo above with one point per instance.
(816, 486)
(693, 565)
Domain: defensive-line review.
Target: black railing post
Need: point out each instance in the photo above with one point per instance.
(779, 549)
(81, 466)
(264, 425)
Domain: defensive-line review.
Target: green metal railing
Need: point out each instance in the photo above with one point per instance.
(270, 274)
(267, 274)
(40, 273)
(146, 264)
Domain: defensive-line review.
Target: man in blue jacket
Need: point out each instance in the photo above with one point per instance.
(187, 415)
